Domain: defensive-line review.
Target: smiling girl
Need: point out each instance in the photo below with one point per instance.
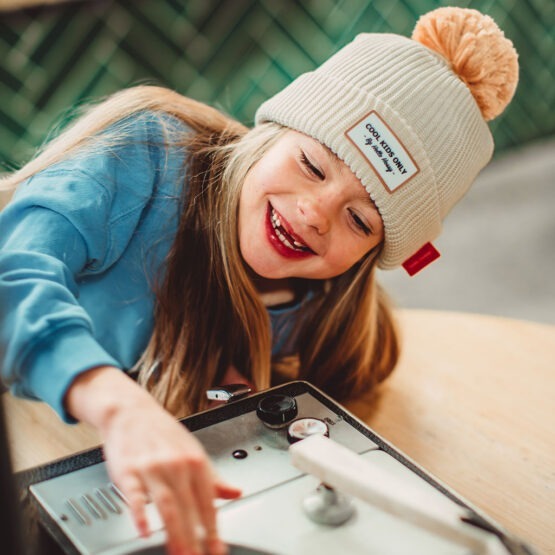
(292, 198)
(159, 237)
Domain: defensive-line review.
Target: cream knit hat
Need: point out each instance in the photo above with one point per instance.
(408, 117)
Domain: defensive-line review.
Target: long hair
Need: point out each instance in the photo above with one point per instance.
(219, 318)
(208, 314)
(350, 340)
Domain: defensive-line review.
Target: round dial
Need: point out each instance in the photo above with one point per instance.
(277, 410)
(306, 427)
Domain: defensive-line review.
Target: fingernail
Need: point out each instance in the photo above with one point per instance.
(183, 550)
(216, 546)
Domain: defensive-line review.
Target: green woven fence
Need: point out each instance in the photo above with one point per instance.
(230, 53)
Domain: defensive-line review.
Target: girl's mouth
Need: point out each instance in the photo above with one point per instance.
(282, 238)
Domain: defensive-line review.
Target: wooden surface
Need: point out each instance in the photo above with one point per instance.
(38, 436)
(472, 401)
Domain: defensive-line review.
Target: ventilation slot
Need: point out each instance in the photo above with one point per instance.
(100, 504)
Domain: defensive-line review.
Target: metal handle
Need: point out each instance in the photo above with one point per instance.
(340, 468)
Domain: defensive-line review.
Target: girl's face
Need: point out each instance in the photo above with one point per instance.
(304, 214)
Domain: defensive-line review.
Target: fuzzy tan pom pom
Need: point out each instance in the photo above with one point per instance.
(478, 52)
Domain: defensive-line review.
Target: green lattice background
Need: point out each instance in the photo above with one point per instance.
(232, 54)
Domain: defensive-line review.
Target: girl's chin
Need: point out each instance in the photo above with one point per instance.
(268, 270)
(262, 272)
(263, 267)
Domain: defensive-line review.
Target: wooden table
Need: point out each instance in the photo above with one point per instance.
(472, 401)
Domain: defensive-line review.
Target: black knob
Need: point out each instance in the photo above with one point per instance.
(277, 410)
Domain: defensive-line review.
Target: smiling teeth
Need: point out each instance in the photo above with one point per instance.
(276, 224)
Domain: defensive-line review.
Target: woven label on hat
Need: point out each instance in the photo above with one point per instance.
(420, 259)
(387, 155)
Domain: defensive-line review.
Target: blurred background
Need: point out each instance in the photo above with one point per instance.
(498, 249)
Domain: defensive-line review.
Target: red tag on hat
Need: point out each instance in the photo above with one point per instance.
(420, 259)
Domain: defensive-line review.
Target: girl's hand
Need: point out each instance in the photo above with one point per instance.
(150, 456)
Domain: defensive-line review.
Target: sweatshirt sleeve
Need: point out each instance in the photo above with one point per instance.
(72, 220)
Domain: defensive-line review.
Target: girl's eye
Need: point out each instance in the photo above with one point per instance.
(359, 223)
(311, 167)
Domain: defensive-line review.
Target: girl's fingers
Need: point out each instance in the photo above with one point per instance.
(206, 486)
(184, 497)
(222, 489)
(216, 546)
(225, 490)
(204, 492)
(172, 469)
(134, 491)
(178, 513)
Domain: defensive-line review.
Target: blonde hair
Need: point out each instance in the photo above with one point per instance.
(220, 319)
(347, 338)
(350, 341)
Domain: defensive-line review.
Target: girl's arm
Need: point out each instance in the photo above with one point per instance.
(149, 454)
(47, 343)
(70, 223)
(66, 227)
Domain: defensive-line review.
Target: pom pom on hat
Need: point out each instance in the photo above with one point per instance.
(477, 51)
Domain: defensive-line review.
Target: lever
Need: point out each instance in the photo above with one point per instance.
(338, 467)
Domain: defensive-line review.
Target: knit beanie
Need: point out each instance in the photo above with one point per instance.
(408, 116)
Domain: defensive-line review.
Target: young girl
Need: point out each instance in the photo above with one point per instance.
(159, 237)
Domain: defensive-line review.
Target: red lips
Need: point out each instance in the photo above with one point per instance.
(280, 247)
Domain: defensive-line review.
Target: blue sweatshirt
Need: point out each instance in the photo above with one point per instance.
(81, 245)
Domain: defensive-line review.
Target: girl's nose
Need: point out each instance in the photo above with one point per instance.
(314, 214)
